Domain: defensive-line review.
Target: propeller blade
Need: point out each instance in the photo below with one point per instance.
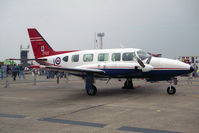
(140, 62)
(148, 60)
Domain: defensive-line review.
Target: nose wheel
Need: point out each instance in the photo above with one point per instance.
(171, 90)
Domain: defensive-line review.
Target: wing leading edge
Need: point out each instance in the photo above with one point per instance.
(76, 70)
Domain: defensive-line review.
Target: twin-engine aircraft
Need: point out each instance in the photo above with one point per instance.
(125, 63)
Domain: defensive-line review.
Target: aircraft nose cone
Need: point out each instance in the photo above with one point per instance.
(191, 69)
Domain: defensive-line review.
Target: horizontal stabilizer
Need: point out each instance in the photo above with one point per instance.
(28, 59)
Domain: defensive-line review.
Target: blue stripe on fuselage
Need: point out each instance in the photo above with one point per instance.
(152, 73)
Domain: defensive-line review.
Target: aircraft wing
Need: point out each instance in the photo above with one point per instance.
(76, 70)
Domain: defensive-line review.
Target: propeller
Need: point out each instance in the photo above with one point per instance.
(145, 67)
(140, 62)
(148, 60)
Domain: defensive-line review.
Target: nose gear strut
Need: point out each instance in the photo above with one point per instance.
(171, 90)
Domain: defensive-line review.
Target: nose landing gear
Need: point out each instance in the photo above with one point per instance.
(171, 90)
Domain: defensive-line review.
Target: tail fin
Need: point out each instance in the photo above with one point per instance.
(39, 45)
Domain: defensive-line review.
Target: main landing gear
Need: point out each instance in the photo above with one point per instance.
(128, 84)
(90, 88)
(91, 91)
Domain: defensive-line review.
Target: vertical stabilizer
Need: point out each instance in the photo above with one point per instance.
(40, 47)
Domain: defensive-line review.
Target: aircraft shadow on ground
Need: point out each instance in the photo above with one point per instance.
(147, 90)
(112, 93)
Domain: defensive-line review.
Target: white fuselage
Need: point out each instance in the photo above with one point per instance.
(121, 65)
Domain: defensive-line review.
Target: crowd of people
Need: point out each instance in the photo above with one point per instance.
(14, 70)
(51, 73)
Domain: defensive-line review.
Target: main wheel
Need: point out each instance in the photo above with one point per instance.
(171, 90)
(92, 91)
(128, 84)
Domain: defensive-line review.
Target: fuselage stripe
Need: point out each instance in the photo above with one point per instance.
(170, 68)
(36, 40)
(106, 67)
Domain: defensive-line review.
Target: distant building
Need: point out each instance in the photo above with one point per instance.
(24, 55)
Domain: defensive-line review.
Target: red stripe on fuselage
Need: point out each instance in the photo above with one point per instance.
(170, 69)
(64, 52)
(117, 67)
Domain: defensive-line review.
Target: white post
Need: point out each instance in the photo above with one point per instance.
(6, 83)
(34, 83)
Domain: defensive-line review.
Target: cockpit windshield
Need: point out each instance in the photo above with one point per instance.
(142, 54)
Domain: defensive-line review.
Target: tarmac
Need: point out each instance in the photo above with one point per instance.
(48, 107)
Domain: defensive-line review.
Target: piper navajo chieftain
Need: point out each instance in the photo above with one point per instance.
(125, 63)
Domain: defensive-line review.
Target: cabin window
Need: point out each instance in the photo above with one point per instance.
(88, 57)
(65, 59)
(129, 56)
(75, 58)
(116, 57)
(103, 57)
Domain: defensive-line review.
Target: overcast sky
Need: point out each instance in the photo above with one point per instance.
(170, 27)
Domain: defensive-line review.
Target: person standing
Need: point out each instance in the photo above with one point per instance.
(195, 70)
(5, 71)
(21, 71)
(8, 70)
(17, 68)
(14, 72)
(1, 72)
(47, 74)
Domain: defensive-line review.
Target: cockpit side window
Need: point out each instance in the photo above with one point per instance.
(142, 54)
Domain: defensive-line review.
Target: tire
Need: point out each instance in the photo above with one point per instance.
(125, 84)
(92, 91)
(128, 85)
(171, 90)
